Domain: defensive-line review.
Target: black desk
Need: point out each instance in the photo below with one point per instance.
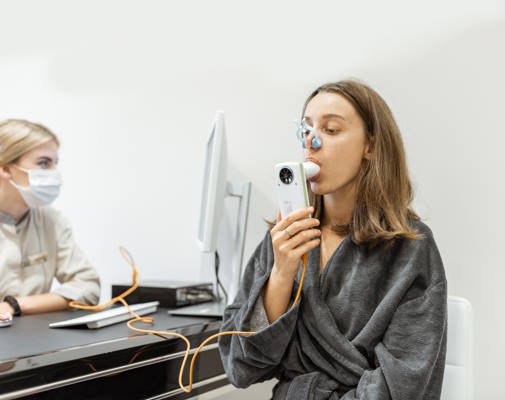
(37, 362)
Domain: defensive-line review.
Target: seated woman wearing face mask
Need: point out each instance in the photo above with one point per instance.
(36, 241)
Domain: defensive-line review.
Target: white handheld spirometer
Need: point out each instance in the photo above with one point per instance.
(291, 182)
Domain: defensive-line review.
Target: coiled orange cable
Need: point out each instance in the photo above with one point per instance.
(136, 318)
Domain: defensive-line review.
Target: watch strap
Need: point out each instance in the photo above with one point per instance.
(11, 300)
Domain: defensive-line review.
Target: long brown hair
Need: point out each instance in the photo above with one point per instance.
(383, 211)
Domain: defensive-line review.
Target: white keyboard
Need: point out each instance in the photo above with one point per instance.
(108, 317)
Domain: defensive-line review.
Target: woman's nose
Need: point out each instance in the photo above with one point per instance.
(308, 140)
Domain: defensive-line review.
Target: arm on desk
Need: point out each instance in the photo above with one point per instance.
(39, 303)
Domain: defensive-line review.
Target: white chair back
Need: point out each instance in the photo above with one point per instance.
(458, 375)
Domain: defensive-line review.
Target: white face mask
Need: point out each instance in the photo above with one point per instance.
(44, 186)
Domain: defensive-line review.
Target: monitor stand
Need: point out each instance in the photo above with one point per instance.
(212, 310)
(208, 259)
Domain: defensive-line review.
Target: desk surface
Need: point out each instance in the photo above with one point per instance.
(31, 353)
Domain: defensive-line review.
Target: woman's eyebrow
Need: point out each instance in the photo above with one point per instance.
(328, 116)
(46, 158)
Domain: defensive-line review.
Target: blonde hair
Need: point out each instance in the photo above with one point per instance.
(18, 137)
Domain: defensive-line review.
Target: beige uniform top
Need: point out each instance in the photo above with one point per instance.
(41, 247)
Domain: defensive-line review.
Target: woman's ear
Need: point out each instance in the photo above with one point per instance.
(367, 155)
(5, 173)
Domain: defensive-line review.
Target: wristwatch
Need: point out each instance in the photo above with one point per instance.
(11, 300)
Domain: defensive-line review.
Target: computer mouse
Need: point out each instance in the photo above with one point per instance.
(6, 322)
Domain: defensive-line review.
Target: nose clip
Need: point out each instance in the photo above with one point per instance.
(303, 130)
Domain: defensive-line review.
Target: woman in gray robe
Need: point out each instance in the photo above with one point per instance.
(372, 316)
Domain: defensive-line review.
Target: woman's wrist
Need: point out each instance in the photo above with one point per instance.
(276, 295)
(282, 276)
(14, 305)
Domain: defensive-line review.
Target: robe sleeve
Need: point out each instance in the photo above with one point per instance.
(249, 359)
(411, 355)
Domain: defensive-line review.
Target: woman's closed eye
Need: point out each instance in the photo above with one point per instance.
(331, 130)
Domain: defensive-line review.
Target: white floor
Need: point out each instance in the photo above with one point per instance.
(260, 391)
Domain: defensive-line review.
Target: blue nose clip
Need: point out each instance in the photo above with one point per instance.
(303, 130)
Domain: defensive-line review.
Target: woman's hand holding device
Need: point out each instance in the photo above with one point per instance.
(292, 237)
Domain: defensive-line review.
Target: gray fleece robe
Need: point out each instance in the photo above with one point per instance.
(372, 325)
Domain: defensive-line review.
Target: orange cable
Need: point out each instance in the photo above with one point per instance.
(135, 283)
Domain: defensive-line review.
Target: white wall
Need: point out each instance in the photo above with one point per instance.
(131, 88)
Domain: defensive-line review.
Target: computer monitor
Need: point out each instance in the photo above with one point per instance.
(215, 189)
(214, 186)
